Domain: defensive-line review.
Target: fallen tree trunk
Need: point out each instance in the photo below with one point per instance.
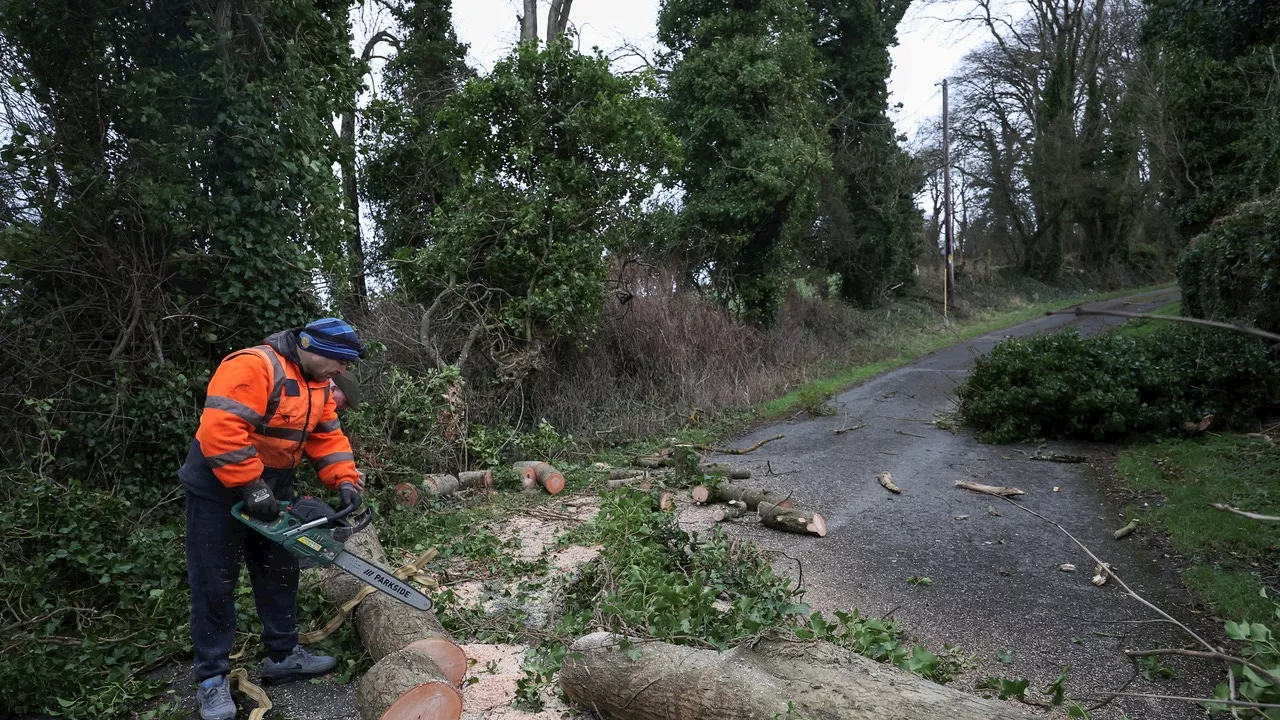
(775, 679)
(476, 480)
(551, 479)
(387, 625)
(751, 497)
(440, 484)
(804, 522)
(639, 481)
(407, 685)
(724, 470)
(528, 478)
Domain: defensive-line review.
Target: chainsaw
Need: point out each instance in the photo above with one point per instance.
(315, 533)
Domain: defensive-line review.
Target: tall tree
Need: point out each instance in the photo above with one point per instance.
(870, 229)
(551, 151)
(741, 96)
(407, 172)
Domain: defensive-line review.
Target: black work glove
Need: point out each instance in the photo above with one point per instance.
(259, 502)
(350, 494)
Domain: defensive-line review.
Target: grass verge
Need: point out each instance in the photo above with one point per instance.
(911, 343)
(1232, 559)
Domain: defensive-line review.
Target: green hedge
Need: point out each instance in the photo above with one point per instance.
(1062, 386)
(1232, 270)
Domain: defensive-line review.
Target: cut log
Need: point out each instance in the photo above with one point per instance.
(551, 479)
(989, 489)
(476, 480)
(813, 680)
(385, 624)
(620, 473)
(650, 462)
(731, 511)
(407, 494)
(528, 478)
(886, 481)
(407, 685)
(625, 481)
(440, 484)
(804, 522)
(751, 497)
(724, 470)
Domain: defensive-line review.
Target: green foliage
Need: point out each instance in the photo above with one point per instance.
(656, 580)
(1062, 386)
(1261, 649)
(1214, 65)
(1232, 270)
(741, 96)
(552, 150)
(882, 641)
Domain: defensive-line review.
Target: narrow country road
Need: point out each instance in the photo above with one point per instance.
(996, 584)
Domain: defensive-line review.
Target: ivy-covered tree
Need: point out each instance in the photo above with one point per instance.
(1215, 104)
(407, 171)
(173, 167)
(551, 151)
(870, 230)
(742, 97)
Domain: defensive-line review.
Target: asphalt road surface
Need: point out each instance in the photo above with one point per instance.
(996, 583)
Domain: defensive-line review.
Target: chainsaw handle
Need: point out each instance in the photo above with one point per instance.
(341, 534)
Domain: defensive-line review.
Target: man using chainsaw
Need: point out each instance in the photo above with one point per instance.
(266, 407)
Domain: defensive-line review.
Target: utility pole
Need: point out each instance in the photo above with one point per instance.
(949, 283)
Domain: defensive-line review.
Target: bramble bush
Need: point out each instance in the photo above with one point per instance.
(1063, 386)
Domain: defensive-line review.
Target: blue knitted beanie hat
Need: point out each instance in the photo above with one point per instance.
(331, 338)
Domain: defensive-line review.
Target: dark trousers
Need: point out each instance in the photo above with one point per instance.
(215, 544)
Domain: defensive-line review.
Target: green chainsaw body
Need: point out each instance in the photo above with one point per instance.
(314, 547)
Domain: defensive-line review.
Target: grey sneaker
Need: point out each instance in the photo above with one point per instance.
(215, 699)
(298, 666)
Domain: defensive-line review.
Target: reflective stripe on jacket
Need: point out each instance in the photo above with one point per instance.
(261, 412)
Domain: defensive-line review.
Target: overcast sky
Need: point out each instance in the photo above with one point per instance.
(928, 49)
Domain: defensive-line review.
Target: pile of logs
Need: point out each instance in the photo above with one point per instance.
(775, 511)
(418, 669)
(531, 474)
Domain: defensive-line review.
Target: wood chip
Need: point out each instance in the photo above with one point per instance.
(1056, 488)
(989, 489)
(992, 511)
(962, 517)
(1067, 567)
(886, 480)
(1099, 576)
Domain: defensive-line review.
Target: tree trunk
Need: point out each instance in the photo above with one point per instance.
(558, 19)
(387, 625)
(440, 484)
(407, 685)
(529, 21)
(476, 480)
(775, 679)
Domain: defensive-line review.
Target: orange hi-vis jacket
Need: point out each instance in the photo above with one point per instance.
(262, 413)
